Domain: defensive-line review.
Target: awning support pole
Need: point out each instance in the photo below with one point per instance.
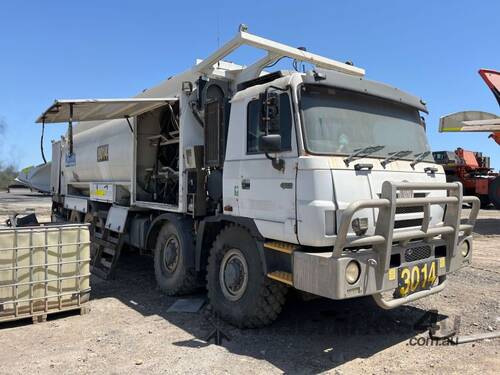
(41, 140)
(129, 124)
(70, 129)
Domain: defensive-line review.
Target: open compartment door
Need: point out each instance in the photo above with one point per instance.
(69, 110)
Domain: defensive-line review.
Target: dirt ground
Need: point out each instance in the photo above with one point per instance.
(130, 331)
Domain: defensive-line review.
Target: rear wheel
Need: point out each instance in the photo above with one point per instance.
(485, 201)
(494, 193)
(174, 273)
(238, 289)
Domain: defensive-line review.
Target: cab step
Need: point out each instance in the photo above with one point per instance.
(283, 247)
(281, 276)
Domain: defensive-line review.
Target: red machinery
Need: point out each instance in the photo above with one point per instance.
(471, 168)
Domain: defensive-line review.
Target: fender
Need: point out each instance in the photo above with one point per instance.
(245, 222)
(155, 227)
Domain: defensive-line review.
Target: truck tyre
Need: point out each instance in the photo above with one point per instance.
(174, 273)
(494, 193)
(238, 289)
(484, 201)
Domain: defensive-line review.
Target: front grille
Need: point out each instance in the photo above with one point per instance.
(416, 253)
(408, 223)
(409, 210)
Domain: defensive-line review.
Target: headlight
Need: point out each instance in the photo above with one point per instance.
(352, 272)
(464, 248)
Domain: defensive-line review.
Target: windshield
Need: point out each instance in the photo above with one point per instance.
(340, 122)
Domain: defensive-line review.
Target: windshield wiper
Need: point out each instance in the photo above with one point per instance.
(362, 152)
(419, 158)
(395, 156)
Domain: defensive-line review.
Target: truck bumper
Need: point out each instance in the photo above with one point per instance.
(380, 257)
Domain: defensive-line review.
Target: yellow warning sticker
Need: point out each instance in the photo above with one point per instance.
(442, 262)
(392, 274)
(100, 192)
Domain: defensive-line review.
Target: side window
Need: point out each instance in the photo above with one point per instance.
(253, 126)
(254, 130)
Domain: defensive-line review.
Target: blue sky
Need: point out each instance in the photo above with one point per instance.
(63, 49)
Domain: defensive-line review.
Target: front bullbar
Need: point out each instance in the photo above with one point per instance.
(325, 275)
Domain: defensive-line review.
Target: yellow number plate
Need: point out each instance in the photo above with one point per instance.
(415, 278)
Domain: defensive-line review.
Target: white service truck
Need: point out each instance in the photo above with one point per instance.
(251, 182)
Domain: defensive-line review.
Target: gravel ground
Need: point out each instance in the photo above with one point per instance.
(130, 331)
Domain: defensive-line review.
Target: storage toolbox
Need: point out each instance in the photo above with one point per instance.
(43, 269)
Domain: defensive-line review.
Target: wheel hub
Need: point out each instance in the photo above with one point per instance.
(171, 254)
(233, 275)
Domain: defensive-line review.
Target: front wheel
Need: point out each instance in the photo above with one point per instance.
(238, 289)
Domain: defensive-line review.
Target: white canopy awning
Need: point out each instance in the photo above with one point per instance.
(100, 109)
(470, 121)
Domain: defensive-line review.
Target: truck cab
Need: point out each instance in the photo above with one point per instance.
(250, 182)
(321, 124)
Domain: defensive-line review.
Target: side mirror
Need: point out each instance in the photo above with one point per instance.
(270, 143)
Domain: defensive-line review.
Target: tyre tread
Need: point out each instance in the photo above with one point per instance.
(269, 301)
(189, 283)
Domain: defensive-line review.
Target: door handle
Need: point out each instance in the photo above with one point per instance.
(245, 184)
(361, 166)
(430, 170)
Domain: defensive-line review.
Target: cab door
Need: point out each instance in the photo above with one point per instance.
(266, 192)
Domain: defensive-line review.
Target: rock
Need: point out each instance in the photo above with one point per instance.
(139, 362)
(490, 328)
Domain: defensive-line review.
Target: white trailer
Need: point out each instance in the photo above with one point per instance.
(251, 182)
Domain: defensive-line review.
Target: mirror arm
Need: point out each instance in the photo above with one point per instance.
(277, 163)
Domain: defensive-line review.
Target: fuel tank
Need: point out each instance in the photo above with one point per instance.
(101, 153)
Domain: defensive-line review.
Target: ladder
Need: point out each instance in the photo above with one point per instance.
(106, 248)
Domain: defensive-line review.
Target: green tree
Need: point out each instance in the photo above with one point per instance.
(7, 176)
